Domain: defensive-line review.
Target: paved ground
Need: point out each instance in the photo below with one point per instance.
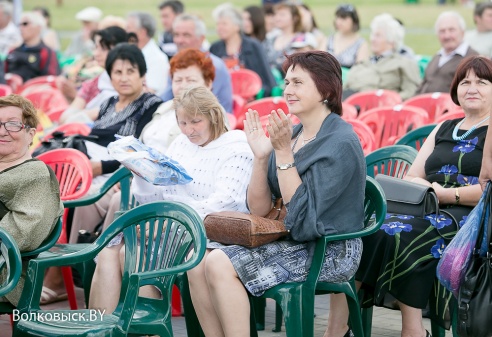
(386, 323)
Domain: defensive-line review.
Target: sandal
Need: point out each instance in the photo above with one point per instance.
(49, 296)
(427, 334)
(349, 333)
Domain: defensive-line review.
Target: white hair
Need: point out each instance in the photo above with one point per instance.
(7, 8)
(393, 30)
(227, 10)
(200, 28)
(35, 19)
(450, 14)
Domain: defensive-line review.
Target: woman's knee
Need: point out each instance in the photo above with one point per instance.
(218, 266)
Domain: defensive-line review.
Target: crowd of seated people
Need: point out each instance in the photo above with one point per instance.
(175, 94)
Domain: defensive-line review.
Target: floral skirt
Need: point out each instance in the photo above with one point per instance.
(401, 260)
(264, 267)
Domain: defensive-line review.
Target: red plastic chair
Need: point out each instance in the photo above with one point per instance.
(74, 173)
(390, 123)
(45, 81)
(372, 99)
(70, 129)
(436, 104)
(5, 90)
(14, 81)
(349, 111)
(245, 83)
(264, 106)
(366, 136)
(47, 99)
(458, 113)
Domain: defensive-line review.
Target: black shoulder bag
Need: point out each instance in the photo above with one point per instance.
(406, 197)
(60, 141)
(475, 292)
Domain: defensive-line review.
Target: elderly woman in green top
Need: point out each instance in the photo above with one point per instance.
(29, 192)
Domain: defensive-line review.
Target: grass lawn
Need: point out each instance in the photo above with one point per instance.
(418, 17)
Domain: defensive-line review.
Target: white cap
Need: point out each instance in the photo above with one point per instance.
(302, 40)
(89, 14)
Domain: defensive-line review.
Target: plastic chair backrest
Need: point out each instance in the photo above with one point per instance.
(5, 90)
(70, 129)
(417, 137)
(436, 104)
(366, 136)
(45, 81)
(46, 99)
(372, 99)
(245, 83)
(390, 123)
(349, 111)
(394, 160)
(10, 262)
(458, 113)
(264, 106)
(72, 169)
(153, 260)
(14, 81)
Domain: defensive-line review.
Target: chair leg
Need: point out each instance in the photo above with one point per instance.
(367, 321)
(355, 316)
(278, 318)
(68, 279)
(176, 302)
(258, 305)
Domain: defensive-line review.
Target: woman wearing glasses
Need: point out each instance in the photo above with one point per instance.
(346, 44)
(29, 192)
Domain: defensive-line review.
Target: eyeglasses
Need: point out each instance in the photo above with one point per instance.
(14, 126)
(26, 23)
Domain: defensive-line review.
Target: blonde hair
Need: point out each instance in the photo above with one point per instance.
(29, 112)
(200, 100)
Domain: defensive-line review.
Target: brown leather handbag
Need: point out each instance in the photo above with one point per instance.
(236, 228)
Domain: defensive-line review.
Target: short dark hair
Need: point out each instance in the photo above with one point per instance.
(348, 11)
(126, 52)
(111, 36)
(481, 66)
(481, 7)
(326, 73)
(176, 5)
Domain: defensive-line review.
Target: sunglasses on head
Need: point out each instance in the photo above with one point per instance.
(346, 8)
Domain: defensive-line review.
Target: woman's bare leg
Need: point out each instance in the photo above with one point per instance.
(338, 315)
(229, 297)
(106, 283)
(202, 302)
(411, 321)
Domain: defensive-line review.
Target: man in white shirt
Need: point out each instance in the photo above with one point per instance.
(9, 33)
(480, 38)
(450, 29)
(143, 26)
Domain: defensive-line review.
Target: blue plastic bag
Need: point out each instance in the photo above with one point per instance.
(148, 163)
(456, 256)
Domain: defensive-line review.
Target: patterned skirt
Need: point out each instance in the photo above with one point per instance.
(264, 267)
(400, 261)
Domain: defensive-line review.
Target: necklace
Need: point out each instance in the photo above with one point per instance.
(467, 133)
(295, 141)
(304, 140)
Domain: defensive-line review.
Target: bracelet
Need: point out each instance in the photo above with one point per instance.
(285, 166)
(457, 195)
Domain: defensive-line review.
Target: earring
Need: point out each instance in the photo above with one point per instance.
(325, 101)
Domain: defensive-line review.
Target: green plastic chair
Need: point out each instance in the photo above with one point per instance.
(182, 232)
(10, 262)
(122, 176)
(297, 299)
(394, 160)
(417, 137)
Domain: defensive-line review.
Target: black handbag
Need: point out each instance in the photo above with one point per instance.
(60, 141)
(475, 292)
(405, 197)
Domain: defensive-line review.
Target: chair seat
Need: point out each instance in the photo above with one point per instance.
(80, 324)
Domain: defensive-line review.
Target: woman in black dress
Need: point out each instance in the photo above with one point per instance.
(401, 258)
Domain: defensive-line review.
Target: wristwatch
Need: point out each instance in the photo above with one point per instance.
(285, 166)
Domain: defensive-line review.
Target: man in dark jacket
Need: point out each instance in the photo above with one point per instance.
(33, 58)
